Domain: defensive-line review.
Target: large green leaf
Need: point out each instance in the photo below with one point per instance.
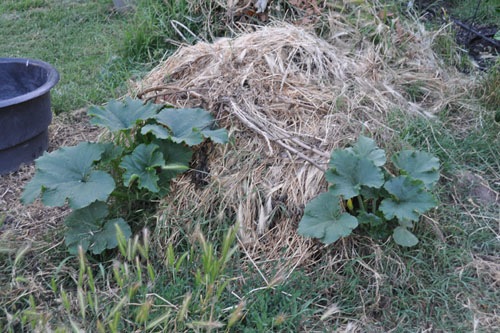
(159, 131)
(370, 219)
(370, 193)
(218, 135)
(348, 173)
(408, 199)
(111, 152)
(404, 237)
(418, 165)
(177, 158)
(366, 147)
(191, 126)
(323, 219)
(67, 174)
(142, 165)
(88, 228)
(117, 115)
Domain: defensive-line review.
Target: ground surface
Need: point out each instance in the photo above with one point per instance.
(67, 129)
(278, 281)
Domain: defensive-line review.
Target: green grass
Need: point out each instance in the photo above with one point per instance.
(158, 27)
(488, 91)
(479, 12)
(175, 290)
(80, 39)
(442, 282)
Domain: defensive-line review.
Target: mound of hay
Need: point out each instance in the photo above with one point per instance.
(288, 98)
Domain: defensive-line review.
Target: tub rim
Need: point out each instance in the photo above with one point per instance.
(52, 79)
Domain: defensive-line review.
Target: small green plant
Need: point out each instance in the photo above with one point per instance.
(374, 198)
(150, 146)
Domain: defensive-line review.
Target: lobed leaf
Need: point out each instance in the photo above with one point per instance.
(117, 116)
(348, 173)
(108, 237)
(175, 154)
(141, 165)
(160, 132)
(406, 223)
(323, 219)
(218, 135)
(366, 147)
(190, 126)
(418, 165)
(371, 193)
(67, 174)
(88, 228)
(408, 199)
(370, 219)
(111, 152)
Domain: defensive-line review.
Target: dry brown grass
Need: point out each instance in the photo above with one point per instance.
(288, 98)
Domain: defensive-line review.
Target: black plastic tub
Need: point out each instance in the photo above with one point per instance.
(25, 112)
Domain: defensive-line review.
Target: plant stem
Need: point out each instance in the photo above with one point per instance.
(361, 204)
(120, 194)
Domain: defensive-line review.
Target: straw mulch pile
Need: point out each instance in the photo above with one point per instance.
(288, 98)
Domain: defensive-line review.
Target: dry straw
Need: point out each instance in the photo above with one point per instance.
(288, 97)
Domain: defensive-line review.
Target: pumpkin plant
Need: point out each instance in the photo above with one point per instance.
(150, 145)
(363, 193)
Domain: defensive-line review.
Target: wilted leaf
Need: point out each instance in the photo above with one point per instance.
(408, 199)
(67, 174)
(323, 219)
(141, 165)
(404, 237)
(117, 115)
(348, 173)
(418, 165)
(190, 126)
(366, 147)
(87, 228)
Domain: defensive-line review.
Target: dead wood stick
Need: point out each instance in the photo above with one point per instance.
(316, 151)
(299, 154)
(256, 128)
(477, 33)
